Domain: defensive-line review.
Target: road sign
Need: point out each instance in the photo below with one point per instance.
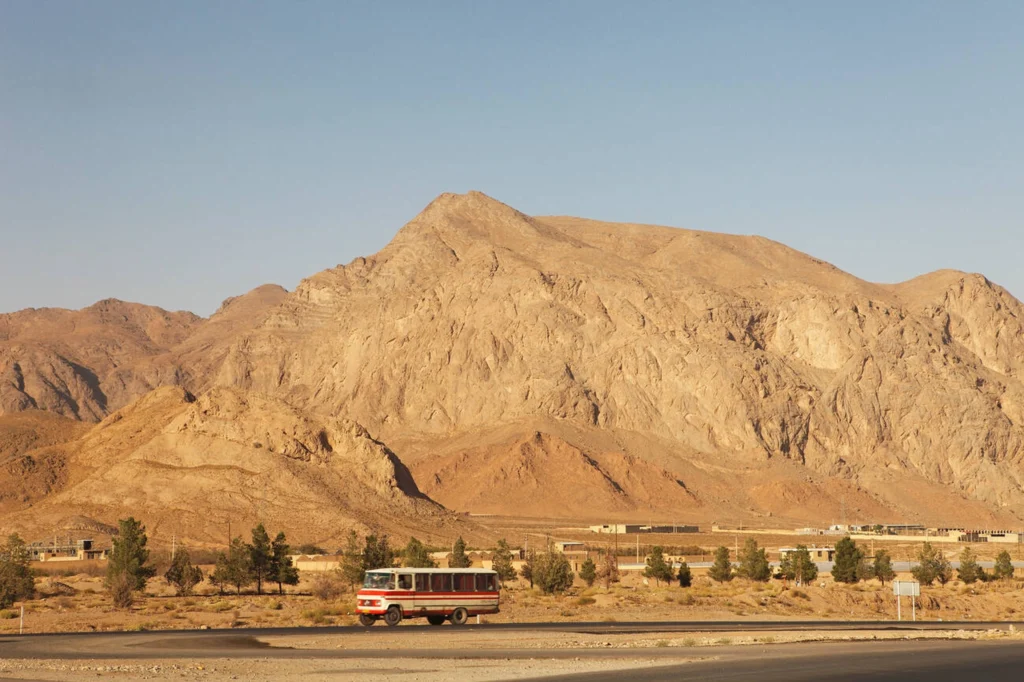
(906, 588)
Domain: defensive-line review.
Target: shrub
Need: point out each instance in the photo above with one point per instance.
(122, 586)
(721, 570)
(326, 587)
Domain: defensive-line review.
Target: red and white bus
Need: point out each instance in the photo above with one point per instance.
(438, 594)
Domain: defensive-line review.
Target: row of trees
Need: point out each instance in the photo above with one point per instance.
(262, 561)
(851, 565)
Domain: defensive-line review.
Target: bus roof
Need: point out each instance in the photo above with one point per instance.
(429, 570)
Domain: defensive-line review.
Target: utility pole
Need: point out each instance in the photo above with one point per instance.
(638, 547)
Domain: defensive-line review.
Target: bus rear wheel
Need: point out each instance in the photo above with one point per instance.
(393, 616)
(436, 620)
(366, 620)
(460, 616)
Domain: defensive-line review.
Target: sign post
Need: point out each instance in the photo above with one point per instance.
(907, 588)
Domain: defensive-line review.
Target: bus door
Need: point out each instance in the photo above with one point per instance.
(405, 591)
(421, 601)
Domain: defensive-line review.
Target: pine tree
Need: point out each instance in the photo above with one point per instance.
(1004, 566)
(351, 568)
(721, 570)
(882, 568)
(609, 571)
(685, 578)
(234, 567)
(848, 562)
(501, 562)
(182, 575)
(458, 558)
(753, 562)
(657, 567)
(282, 570)
(526, 571)
(415, 555)
(943, 569)
(129, 555)
(588, 572)
(377, 553)
(260, 554)
(968, 571)
(16, 578)
(802, 569)
(926, 569)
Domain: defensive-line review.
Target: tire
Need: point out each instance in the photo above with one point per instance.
(393, 616)
(436, 620)
(460, 616)
(366, 620)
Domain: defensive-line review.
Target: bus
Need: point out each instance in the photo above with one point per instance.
(437, 594)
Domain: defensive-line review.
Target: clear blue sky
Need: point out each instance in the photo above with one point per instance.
(177, 153)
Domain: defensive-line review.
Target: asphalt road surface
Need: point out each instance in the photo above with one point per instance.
(244, 641)
(947, 661)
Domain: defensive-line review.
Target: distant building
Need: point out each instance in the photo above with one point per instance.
(636, 528)
(67, 550)
(817, 553)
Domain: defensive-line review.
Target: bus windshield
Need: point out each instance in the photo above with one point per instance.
(378, 581)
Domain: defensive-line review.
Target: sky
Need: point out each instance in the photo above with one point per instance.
(180, 153)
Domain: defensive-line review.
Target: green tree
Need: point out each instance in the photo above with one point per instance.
(416, 555)
(182, 575)
(458, 558)
(501, 562)
(721, 569)
(753, 562)
(849, 561)
(260, 557)
(129, 555)
(1004, 566)
(657, 567)
(552, 572)
(608, 573)
(882, 568)
(377, 553)
(588, 572)
(527, 571)
(684, 576)
(233, 567)
(16, 578)
(351, 567)
(282, 570)
(943, 569)
(798, 566)
(969, 568)
(927, 567)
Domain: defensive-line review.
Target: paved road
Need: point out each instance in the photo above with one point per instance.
(245, 643)
(948, 661)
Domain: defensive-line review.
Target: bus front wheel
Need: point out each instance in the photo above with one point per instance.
(460, 616)
(393, 616)
(366, 620)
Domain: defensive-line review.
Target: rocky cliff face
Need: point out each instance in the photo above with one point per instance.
(88, 363)
(559, 367)
(732, 349)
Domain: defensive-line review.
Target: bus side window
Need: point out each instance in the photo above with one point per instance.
(441, 582)
(422, 582)
(485, 583)
(405, 581)
(464, 582)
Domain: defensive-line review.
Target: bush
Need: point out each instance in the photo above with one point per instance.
(552, 572)
(721, 570)
(122, 587)
(327, 587)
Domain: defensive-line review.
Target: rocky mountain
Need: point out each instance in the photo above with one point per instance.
(545, 366)
(87, 363)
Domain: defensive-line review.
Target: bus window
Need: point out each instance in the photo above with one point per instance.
(405, 581)
(441, 582)
(378, 581)
(464, 582)
(422, 582)
(485, 583)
